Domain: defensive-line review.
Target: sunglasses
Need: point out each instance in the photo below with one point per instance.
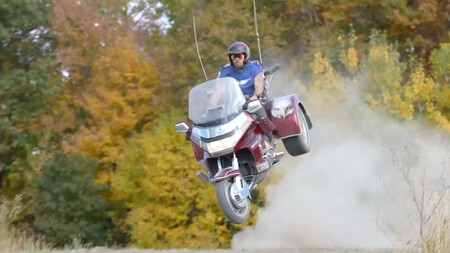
(234, 56)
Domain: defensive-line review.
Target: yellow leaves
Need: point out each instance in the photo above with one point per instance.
(350, 59)
(418, 96)
(422, 87)
(326, 79)
(398, 106)
(119, 98)
(169, 206)
(384, 68)
(82, 32)
(440, 60)
(416, 99)
(437, 117)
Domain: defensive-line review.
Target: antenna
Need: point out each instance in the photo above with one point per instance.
(257, 34)
(198, 51)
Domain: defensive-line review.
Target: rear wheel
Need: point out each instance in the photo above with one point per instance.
(235, 210)
(299, 144)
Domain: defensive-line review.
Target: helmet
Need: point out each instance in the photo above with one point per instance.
(239, 48)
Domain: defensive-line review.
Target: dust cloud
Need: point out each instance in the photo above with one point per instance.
(356, 187)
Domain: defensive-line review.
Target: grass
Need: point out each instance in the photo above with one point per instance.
(13, 239)
(437, 238)
(431, 206)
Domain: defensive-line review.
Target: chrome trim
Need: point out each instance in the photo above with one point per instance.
(254, 106)
(239, 191)
(181, 127)
(292, 135)
(202, 177)
(263, 167)
(219, 164)
(234, 162)
(211, 132)
(225, 145)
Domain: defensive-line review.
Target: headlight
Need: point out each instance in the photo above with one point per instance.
(225, 144)
(232, 132)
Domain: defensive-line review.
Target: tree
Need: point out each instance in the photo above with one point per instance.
(28, 87)
(83, 33)
(68, 205)
(417, 24)
(24, 33)
(218, 25)
(25, 96)
(123, 99)
(168, 206)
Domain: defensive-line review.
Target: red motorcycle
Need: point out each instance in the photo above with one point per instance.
(235, 139)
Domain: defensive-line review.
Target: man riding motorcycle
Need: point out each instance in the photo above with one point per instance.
(236, 128)
(249, 76)
(247, 73)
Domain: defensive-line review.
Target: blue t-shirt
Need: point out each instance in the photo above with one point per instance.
(245, 77)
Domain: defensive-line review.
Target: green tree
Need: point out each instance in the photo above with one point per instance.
(28, 86)
(25, 96)
(67, 203)
(24, 33)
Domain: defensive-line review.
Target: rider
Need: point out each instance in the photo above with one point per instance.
(249, 76)
(247, 73)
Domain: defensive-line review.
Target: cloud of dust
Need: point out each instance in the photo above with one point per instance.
(351, 190)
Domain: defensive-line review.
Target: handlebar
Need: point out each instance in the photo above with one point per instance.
(272, 69)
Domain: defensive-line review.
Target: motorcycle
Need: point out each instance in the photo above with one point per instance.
(235, 138)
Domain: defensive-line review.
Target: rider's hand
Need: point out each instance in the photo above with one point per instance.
(254, 98)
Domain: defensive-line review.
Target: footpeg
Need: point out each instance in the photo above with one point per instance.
(277, 157)
(202, 177)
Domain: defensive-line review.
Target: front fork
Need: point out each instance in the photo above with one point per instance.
(239, 190)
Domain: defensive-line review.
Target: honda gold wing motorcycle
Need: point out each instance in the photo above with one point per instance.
(235, 138)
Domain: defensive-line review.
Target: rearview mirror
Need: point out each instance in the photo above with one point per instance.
(181, 127)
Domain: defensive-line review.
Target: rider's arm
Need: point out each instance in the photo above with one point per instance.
(259, 85)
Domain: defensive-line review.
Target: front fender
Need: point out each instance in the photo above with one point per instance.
(224, 174)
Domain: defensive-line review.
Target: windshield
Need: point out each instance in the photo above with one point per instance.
(215, 102)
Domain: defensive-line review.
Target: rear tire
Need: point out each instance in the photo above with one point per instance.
(232, 211)
(299, 144)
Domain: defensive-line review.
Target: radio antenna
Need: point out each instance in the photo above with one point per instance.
(198, 51)
(257, 34)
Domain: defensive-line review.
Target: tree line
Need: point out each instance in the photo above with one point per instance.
(90, 90)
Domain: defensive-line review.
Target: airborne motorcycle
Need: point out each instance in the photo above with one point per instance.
(235, 138)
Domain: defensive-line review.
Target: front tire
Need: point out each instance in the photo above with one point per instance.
(236, 212)
(299, 144)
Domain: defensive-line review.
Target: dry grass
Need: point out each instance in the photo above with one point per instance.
(432, 207)
(13, 239)
(437, 237)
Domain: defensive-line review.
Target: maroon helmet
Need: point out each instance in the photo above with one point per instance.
(239, 48)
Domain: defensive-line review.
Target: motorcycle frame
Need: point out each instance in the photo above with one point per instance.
(251, 149)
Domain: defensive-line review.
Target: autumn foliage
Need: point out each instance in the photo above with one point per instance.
(90, 90)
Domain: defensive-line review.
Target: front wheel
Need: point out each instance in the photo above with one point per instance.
(236, 210)
(299, 144)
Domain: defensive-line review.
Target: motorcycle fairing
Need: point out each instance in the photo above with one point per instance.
(283, 114)
(253, 142)
(221, 139)
(200, 154)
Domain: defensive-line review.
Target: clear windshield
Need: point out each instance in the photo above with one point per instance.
(215, 102)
